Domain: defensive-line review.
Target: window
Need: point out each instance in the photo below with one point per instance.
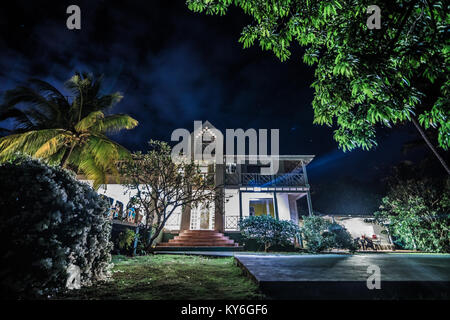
(208, 138)
(259, 207)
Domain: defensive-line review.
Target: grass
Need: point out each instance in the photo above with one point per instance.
(168, 277)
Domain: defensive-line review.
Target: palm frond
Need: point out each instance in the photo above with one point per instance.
(55, 159)
(122, 152)
(28, 142)
(19, 116)
(75, 157)
(115, 123)
(105, 152)
(52, 146)
(94, 86)
(53, 94)
(4, 131)
(73, 84)
(92, 170)
(89, 121)
(47, 89)
(33, 99)
(108, 101)
(41, 119)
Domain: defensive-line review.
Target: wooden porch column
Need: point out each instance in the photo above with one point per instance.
(240, 205)
(218, 220)
(185, 223)
(308, 193)
(219, 212)
(219, 205)
(275, 205)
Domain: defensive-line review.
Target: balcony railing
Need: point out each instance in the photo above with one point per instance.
(261, 180)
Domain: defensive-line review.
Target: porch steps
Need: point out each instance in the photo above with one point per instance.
(199, 238)
(197, 249)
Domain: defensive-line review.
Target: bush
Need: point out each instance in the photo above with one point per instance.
(321, 234)
(125, 241)
(417, 213)
(52, 226)
(269, 231)
(339, 238)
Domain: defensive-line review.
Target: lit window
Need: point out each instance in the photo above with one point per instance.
(260, 207)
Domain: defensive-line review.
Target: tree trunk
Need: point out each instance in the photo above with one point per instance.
(185, 223)
(430, 145)
(66, 156)
(153, 237)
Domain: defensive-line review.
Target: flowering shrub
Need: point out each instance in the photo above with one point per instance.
(269, 231)
(51, 224)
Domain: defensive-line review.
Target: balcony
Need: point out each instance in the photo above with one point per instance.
(265, 181)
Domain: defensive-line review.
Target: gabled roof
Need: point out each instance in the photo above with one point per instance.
(306, 159)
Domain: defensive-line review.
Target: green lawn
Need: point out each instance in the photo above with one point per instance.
(169, 277)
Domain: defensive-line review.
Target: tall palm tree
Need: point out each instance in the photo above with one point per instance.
(68, 132)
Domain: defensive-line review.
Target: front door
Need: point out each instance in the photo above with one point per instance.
(202, 218)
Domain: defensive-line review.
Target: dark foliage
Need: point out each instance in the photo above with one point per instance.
(51, 223)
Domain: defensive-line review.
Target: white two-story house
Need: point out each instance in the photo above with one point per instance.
(247, 192)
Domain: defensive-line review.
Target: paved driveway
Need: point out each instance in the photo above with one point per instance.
(336, 276)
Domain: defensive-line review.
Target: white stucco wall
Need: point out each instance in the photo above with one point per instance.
(293, 208)
(284, 212)
(361, 227)
(173, 223)
(117, 192)
(358, 227)
(232, 202)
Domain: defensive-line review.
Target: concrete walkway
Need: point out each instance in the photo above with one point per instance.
(337, 276)
(344, 276)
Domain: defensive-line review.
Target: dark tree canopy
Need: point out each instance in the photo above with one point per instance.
(364, 78)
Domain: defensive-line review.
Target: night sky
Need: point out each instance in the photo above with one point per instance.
(174, 66)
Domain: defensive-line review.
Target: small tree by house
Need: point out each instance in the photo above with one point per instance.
(269, 231)
(163, 186)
